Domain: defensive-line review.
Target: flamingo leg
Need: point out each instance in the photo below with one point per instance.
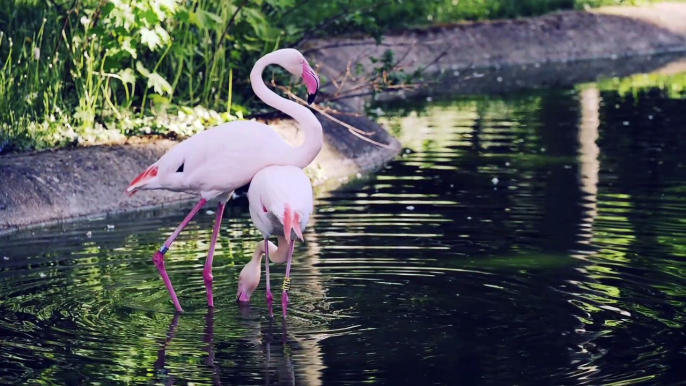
(160, 363)
(270, 297)
(158, 259)
(207, 272)
(287, 280)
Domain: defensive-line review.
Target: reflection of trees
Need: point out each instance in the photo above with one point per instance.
(274, 356)
(81, 306)
(635, 273)
(530, 143)
(562, 211)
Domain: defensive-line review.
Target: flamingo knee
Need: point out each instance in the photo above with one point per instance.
(158, 259)
(207, 275)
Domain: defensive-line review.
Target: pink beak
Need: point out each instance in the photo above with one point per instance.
(311, 81)
(291, 222)
(242, 297)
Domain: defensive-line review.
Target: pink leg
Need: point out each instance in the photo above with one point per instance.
(287, 279)
(158, 259)
(207, 272)
(270, 297)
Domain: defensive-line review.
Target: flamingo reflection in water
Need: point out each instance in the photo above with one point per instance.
(208, 337)
(285, 368)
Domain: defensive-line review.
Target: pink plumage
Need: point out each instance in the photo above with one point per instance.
(215, 162)
(281, 202)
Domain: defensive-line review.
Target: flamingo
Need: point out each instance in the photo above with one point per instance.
(215, 162)
(281, 202)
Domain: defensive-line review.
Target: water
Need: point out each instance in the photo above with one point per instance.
(528, 238)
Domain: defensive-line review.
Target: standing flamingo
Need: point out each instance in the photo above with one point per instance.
(215, 162)
(280, 202)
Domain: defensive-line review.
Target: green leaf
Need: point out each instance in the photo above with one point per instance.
(150, 38)
(141, 68)
(159, 100)
(162, 33)
(214, 17)
(159, 84)
(127, 76)
(205, 20)
(183, 15)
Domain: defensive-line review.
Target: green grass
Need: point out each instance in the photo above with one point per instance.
(84, 71)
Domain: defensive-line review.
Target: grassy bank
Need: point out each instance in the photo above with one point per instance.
(81, 71)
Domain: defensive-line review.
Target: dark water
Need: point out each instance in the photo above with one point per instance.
(568, 269)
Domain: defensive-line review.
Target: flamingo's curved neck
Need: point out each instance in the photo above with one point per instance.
(303, 155)
(279, 253)
(276, 254)
(259, 251)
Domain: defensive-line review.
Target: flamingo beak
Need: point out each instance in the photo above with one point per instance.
(287, 224)
(296, 227)
(311, 81)
(291, 223)
(242, 297)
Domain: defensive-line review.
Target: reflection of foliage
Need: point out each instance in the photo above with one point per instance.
(672, 85)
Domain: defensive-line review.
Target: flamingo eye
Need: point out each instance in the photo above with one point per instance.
(302, 61)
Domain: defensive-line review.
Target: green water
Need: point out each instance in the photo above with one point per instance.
(534, 237)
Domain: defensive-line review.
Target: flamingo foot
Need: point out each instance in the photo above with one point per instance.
(284, 302)
(207, 275)
(158, 259)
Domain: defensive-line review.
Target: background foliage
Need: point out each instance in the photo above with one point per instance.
(74, 71)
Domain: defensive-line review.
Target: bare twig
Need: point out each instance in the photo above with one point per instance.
(231, 21)
(353, 130)
(96, 15)
(64, 27)
(222, 38)
(436, 59)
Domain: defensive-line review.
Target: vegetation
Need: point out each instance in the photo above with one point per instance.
(75, 71)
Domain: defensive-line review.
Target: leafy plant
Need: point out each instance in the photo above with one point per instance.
(79, 71)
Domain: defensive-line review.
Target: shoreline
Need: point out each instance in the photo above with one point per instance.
(48, 187)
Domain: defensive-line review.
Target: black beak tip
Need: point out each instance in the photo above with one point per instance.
(310, 98)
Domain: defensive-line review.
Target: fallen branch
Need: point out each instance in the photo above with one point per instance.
(353, 130)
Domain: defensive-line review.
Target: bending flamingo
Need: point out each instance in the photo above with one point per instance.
(281, 202)
(215, 162)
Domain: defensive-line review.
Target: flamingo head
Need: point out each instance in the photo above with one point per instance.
(291, 223)
(297, 65)
(248, 279)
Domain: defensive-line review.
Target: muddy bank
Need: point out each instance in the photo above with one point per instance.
(47, 187)
(610, 32)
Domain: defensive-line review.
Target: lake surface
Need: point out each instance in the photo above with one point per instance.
(528, 238)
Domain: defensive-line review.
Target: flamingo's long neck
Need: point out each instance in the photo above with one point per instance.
(305, 154)
(280, 253)
(259, 251)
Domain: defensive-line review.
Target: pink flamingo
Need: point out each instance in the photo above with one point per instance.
(215, 162)
(280, 202)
